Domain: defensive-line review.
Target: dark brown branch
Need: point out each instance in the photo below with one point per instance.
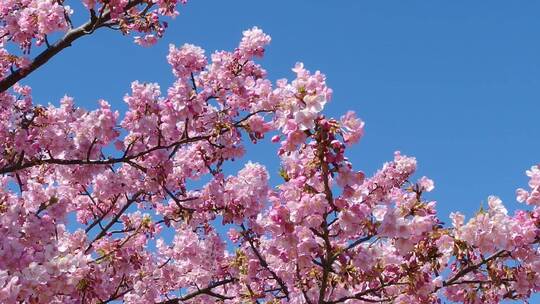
(479, 282)
(21, 165)
(117, 294)
(474, 267)
(361, 295)
(264, 264)
(327, 259)
(207, 291)
(109, 161)
(66, 41)
(99, 218)
(117, 216)
(179, 201)
(356, 243)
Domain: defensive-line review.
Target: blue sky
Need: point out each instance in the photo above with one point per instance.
(454, 83)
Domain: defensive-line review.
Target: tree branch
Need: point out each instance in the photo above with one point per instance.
(207, 291)
(73, 34)
(262, 261)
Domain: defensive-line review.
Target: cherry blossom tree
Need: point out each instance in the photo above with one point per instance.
(327, 234)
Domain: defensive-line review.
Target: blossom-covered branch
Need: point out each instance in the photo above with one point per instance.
(29, 22)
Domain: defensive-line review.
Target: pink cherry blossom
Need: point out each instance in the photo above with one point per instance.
(531, 197)
(353, 128)
(186, 59)
(98, 206)
(254, 42)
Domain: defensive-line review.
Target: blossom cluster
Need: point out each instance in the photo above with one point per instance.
(25, 24)
(531, 197)
(26, 20)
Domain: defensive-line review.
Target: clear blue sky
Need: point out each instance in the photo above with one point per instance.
(454, 83)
